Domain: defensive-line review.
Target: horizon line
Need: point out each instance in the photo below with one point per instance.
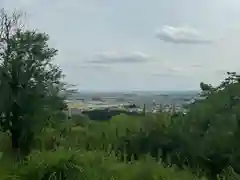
(134, 91)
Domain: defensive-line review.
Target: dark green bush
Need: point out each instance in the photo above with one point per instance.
(70, 165)
(80, 120)
(107, 114)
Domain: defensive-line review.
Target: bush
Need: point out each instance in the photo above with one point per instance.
(171, 139)
(76, 165)
(80, 120)
(5, 142)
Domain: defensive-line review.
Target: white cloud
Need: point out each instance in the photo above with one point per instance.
(178, 70)
(169, 72)
(184, 35)
(116, 57)
(85, 67)
(196, 66)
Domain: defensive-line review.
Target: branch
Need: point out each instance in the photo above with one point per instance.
(10, 23)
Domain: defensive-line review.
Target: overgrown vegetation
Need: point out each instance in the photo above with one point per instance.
(38, 142)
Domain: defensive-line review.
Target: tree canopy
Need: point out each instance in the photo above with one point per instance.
(29, 82)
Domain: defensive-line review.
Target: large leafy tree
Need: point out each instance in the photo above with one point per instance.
(213, 122)
(29, 82)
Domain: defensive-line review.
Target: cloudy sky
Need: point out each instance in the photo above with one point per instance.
(138, 44)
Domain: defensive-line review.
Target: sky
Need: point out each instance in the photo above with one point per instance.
(124, 45)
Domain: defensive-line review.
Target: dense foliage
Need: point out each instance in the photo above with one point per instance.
(202, 144)
(107, 114)
(29, 81)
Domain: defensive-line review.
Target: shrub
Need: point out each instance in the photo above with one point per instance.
(80, 120)
(76, 165)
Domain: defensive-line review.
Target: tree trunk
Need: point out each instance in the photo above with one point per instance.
(15, 138)
(15, 143)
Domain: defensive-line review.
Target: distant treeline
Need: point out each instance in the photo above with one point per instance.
(107, 114)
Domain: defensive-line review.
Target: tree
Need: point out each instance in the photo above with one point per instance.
(213, 122)
(29, 82)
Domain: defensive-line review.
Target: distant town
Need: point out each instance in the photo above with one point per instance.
(130, 102)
